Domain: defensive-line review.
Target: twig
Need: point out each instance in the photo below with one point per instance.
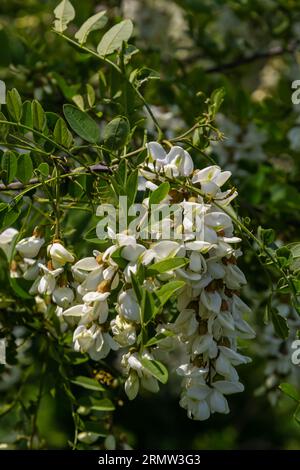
(273, 52)
(16, 185)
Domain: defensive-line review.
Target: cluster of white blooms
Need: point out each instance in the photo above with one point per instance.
(210, 319)
(96, 295)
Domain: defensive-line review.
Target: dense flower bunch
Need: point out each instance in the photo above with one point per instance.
(102, 297)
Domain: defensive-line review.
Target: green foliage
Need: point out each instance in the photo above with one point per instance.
(82, 123)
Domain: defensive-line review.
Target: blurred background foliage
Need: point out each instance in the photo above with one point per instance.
(251, 48)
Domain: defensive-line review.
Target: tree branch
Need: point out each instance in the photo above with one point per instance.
(273, 52)
(16, 185)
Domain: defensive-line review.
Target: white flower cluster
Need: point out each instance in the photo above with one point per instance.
(96, 295)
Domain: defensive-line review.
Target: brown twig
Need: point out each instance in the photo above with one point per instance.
(16, 185)
(273, 52)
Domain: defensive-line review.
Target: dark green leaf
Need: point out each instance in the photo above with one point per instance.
(160, 193)
(61, 134)
(116, 133)
(9, 165)
(39, 120)
(280, 323)
(81, 123)
(290, 391)
(25, 168)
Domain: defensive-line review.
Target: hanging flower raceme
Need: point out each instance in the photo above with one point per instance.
(114, 300)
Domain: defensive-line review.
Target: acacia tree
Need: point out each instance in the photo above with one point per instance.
(100, 320)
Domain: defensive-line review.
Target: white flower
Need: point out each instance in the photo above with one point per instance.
(132, 385)
(94, 341)
(177, 162)
(211, 179)
(32, 269)
(63, 296)
(138, 374)
(47, 282)
(6, 239)
(124, 331)
(185, 324)
(59, 255)
(128, 306)
(75, 313)
(29, 247)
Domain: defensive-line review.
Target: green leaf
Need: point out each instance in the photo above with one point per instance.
(81, 123)
(90, 95)
(166, 265)
(216, 99)
(131, 187)
(27, 114)
(167, 290)
(157, 369)
(25, 168)
(2, 92)
(160, 193)
(61, 134)
(4, 128)
(14, 104)
(43, 169)
(64, 13)
(114, 37)
(11, 215)
(148, 307)
(97, 427)
(88, 383)
(136, 287)
(116, 133)
(39, 120)
(9, 165)
(267, 236)
(280, 323)
(158, 338)
(102, 405)
(93, 23)
(297, 414)
(290, 391)
(18, 290)
(117, 257)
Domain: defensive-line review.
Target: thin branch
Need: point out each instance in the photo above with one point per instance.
(16, 185)
(273, 52)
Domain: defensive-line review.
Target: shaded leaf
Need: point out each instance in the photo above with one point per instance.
(116, 133)
(88, 383)
(81, 123)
